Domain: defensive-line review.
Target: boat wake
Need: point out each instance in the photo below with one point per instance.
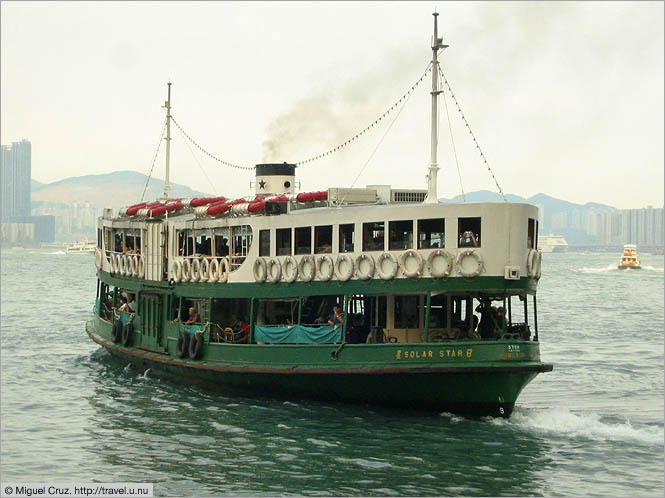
(608, 268)
(652, 268)
(58, 252)
(559, 421)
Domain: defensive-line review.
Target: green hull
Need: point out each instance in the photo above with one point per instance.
(469, 377)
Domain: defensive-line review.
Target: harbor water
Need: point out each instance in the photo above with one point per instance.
(592, 427)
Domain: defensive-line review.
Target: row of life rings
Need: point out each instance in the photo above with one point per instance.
(534, 262)
(439, 263)
(126, 265)
(201, 270)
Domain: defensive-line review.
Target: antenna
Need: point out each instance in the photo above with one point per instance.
(167, 106)
(437, 43)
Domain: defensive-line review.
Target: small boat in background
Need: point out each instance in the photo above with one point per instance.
(81, 247)
(629, 259)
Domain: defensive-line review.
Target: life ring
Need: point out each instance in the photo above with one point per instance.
(98, 257)
(529, 262)
(117, 258)
(223, 272)
(262, 273)
(307, 276)
(127, 334)
(343, 276)
(134, 265)
(418, 271)
(186, 270)
(182, 347)
(286, 276)
(196, 270)
(274, 276)
(196, 346)
(176, 270)
(392, 271)
(325, 259)
(204, 273)
(112, 262)
(116, 331)
(140, 272)
(538, 265)
(435, 270)
(123, 265)
(479, 263)
(213, 270)
(370, 270)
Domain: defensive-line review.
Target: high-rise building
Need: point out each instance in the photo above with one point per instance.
(15, 177)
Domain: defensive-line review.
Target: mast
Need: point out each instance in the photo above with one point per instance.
(437, 43)
(167, 106)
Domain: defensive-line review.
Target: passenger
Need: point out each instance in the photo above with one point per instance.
(336, 317)
(123, 303)
(468, 239)
(194, 317)
(500, 321)
(486, 325)
(131, 305)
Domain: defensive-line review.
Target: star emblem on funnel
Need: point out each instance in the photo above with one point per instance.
(262, 184)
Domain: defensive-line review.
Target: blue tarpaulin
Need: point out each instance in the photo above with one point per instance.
(298, 334)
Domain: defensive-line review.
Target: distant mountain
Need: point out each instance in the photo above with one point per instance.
(117, 189)
(568, 218)
(35, 185)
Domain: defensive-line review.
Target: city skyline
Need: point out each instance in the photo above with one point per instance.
(559, 104)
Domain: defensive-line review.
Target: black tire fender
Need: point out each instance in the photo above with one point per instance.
(116, 331)
(196, 346)
(127, 334)
(182, 347)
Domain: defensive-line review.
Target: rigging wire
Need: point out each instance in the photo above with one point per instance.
(452, 141)
(375, 122)
(214, 190)
(159, 144)
(225, 163)
(472, 135)
(408, 96)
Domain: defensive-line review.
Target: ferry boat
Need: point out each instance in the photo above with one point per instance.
(85, 246)
(372, 295)
(552, 243)
(629, 259)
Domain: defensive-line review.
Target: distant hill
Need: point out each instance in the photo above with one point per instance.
(35, 185)
(573, 214)
(117, 189)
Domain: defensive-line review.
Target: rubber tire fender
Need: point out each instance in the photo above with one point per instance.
(196, 346)
(182, 347)
(127, 334)
(116, 331)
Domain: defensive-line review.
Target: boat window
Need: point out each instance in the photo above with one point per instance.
(347, 238)
(119, 241)
(407, 312)
(203, 243)
(317, 309)
(264, 243)
(438, 313)
(241, 241)
(304, 240)
(469, 232)
(401, 234)
(277, 312)
(99, 238)
(323, 239)
(373, 236)
(230, 320)
(531, 234)
(431, 233)
(200, 307)
(221, 245)
(283, 241)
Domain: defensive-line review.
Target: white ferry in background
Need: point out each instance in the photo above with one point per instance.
(552, 243)
(82, 247)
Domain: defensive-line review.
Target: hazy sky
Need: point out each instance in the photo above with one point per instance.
(564, 98)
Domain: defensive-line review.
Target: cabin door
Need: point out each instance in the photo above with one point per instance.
(150, 312)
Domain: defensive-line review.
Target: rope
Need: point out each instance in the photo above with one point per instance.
(159, 144)
(452, 141)
(472, 135)
(225, 163)
(409, 93)
(367, 128)
(214, 190)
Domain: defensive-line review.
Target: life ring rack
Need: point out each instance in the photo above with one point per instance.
(319, 265)
(304, 275)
